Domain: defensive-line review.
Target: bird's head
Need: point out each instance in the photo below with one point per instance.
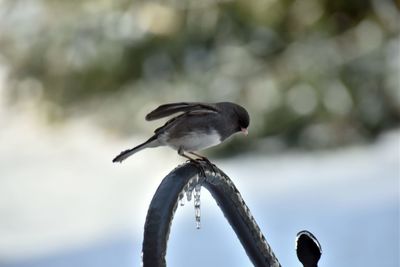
(243, 120)
(239, 114)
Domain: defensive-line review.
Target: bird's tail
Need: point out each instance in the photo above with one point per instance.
(152, 142)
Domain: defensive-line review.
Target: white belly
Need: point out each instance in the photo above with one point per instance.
(193, 141)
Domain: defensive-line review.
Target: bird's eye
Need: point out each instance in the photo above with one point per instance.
(242, 124)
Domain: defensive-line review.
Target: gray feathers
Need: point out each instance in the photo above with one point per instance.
(152, 142)
(199, 126)
(169, 109)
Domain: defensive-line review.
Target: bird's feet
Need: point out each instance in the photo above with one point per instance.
(209, 164)
(199, 165)
(200, 161)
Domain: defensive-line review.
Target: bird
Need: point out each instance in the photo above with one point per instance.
(197, 126)
(308, 249)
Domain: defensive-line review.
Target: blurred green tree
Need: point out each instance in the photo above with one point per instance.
(312, 73)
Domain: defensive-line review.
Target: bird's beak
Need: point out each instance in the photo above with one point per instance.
(245, 131)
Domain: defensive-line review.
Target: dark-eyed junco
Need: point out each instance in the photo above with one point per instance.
(201, 125)
(308, 249)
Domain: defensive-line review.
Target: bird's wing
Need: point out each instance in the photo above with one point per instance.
(169, 109)
(176, 119)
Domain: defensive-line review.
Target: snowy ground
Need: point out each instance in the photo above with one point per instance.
(63, 203)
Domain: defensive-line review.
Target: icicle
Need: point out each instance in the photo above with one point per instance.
(181, 199)
(189, 194)
(196, 201)
(190, 187)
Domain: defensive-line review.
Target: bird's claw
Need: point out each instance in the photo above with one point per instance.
(209, 164)
(199, 165)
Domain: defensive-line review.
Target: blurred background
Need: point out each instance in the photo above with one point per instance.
(321, 80)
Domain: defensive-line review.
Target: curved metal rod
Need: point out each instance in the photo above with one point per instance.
(228, 198)
(308, 249)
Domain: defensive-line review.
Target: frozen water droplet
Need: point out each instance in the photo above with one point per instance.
(197, 188)
(196, 201)
(189, 194)
(181, 199)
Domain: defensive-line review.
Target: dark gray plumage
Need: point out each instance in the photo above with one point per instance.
(200, 126)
